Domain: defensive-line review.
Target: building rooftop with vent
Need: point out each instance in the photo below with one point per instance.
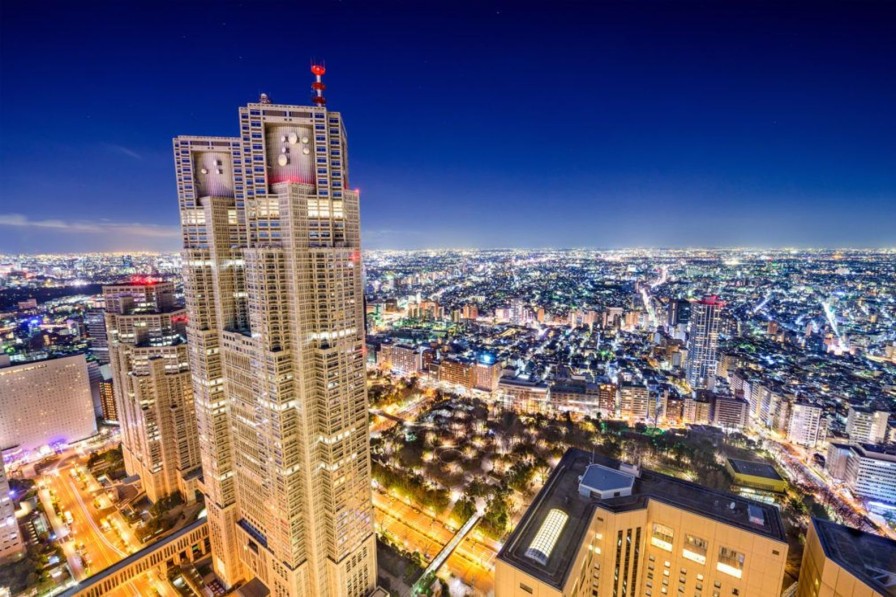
(588, 499)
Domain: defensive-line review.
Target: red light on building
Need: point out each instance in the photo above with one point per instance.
(143, 281)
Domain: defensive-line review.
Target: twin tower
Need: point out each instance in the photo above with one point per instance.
(275, 323)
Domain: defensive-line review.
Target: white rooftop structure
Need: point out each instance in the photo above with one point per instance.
(603, 482)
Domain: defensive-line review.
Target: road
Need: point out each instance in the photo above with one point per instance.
(472, 561)
(99, 548)
(794, 460)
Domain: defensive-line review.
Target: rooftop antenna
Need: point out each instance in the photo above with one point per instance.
(318, 86)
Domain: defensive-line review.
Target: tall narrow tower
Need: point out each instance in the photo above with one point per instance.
(703, 341)
(272, 273)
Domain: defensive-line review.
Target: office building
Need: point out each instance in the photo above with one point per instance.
(45, 404)
(95, 322)
(107, 395)
(600, 528)
(703, 341)
(840, 561)
(11, 543)
(871, 472)
(152, 386)
(867, 425)
(272, 278)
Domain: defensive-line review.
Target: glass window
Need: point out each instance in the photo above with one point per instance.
(694, 549)
(662, 536)
(730, 562)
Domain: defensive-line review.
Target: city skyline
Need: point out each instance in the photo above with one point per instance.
(768, 128)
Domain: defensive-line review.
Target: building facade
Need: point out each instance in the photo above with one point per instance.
(866, 425)
(703, 341)
(95, 322)
(272, 272)
(11, 543)
(806, 426)
(45, 403)
(871, 472)
(152, 386)
(599, 528)
(839, 561)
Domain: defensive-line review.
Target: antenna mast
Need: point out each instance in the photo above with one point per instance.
(318, 86)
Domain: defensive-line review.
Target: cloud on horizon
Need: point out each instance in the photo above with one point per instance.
(21, 234)
(80, 227)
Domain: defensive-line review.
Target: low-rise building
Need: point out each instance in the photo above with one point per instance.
(758, 475)
(525, 396)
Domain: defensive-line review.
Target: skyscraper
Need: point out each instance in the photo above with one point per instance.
(272, 274)
(703, 341)
(152, 386)
(95, 321)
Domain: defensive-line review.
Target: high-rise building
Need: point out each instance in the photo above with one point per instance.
(95, 322)
(272, 278)
(703, 341)
(11, 543)
(152, 386)
(633, 400)
(867, 425)
(806, 426)
(840, 561)
(107, 395)
(600, 528)
(45, 403)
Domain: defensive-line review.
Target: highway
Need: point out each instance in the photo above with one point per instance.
(99, 548)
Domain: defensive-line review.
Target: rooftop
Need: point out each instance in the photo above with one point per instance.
(561, 492)
(755, 469)
(870, 558)
(603, 478)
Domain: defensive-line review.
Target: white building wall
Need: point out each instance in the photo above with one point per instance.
(45, 403)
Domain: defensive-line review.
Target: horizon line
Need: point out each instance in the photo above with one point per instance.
(447, 249)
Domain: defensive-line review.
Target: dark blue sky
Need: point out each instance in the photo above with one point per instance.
(470, 124)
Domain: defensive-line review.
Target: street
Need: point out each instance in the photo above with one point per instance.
(472, 561)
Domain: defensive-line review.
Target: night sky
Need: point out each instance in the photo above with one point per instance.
(481, 124)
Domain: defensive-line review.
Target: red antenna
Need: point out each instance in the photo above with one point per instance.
(318, 98)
